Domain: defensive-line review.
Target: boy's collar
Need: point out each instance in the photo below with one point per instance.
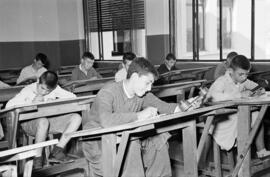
(125, 90)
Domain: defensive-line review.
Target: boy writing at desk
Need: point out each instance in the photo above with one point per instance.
(128, 101)
(46, 89)
(85, 70)
(234, 85)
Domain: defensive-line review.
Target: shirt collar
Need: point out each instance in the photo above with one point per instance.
(125, 91)
(80, 67)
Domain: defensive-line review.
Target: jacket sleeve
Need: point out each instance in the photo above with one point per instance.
(162, 106)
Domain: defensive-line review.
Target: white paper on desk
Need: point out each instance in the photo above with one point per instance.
(154, 117)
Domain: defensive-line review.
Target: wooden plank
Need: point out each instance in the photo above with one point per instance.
(217, 160)
(243, 132)
(61, 168)
(181, 71)
(19, 156)
(80, 83)
(119, 161)
(204, 136)
(27, 148)
(189, 150)
(108, 154)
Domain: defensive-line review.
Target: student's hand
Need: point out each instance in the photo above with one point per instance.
(195, 104)
(93, 78)
(147, 113)
(246, 93)
(38, 98)
(259, 92)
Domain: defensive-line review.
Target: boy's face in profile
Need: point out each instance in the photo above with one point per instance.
(143, 83)
(239, 75)
(87, 63)
(38, 64)
(127, 63)
(42, 89)
(170, 63)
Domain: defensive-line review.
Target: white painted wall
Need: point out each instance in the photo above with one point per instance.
(41, 20)
(157, 17)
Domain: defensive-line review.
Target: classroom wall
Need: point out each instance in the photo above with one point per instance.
(54, 27)
(157, 30)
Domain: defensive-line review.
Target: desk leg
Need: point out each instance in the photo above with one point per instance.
(108, 154)
(85, 114)
(28, 168)
(190, 150)
(243, 134)
(121, 153)
(12, 126)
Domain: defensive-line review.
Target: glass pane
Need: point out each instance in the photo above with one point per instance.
(241, 27)
(227, 14)
(262, 30)
(208, 29)
(122, 28)
(183, 29)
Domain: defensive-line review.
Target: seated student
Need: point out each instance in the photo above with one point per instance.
(222, 67)
(129, 101)
(122, 73)
(46, 89)
(85, 70)
(168, 65)
(234, 85)
(34, 70)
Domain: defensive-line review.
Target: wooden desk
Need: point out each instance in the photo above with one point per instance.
(246, 135)
(67, 70)
(177, 89)
(186, 121)
(8, 93)
(87, 86)
(52, 108)
(184, 74)
(10, 75)
(24, 153)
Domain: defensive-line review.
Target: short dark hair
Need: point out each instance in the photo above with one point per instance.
(88, 55)
(49, 78)
(128, 56)
(43, 58)
(170, 56)
(141, 66)
(231, 55)
(240, 61)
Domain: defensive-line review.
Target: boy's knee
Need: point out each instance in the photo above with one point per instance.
(76, 118)
(43, 123)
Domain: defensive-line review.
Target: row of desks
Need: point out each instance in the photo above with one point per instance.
(186, 121)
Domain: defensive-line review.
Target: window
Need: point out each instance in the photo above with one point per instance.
(115, 27)
(213, 28)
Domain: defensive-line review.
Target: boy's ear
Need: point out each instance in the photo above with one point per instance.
(230, 70)
(134, 76)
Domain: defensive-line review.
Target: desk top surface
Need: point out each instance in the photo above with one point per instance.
(80, 100)
(154, 120)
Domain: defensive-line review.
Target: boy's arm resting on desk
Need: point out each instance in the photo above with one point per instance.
(19, 99)
(103, 105)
